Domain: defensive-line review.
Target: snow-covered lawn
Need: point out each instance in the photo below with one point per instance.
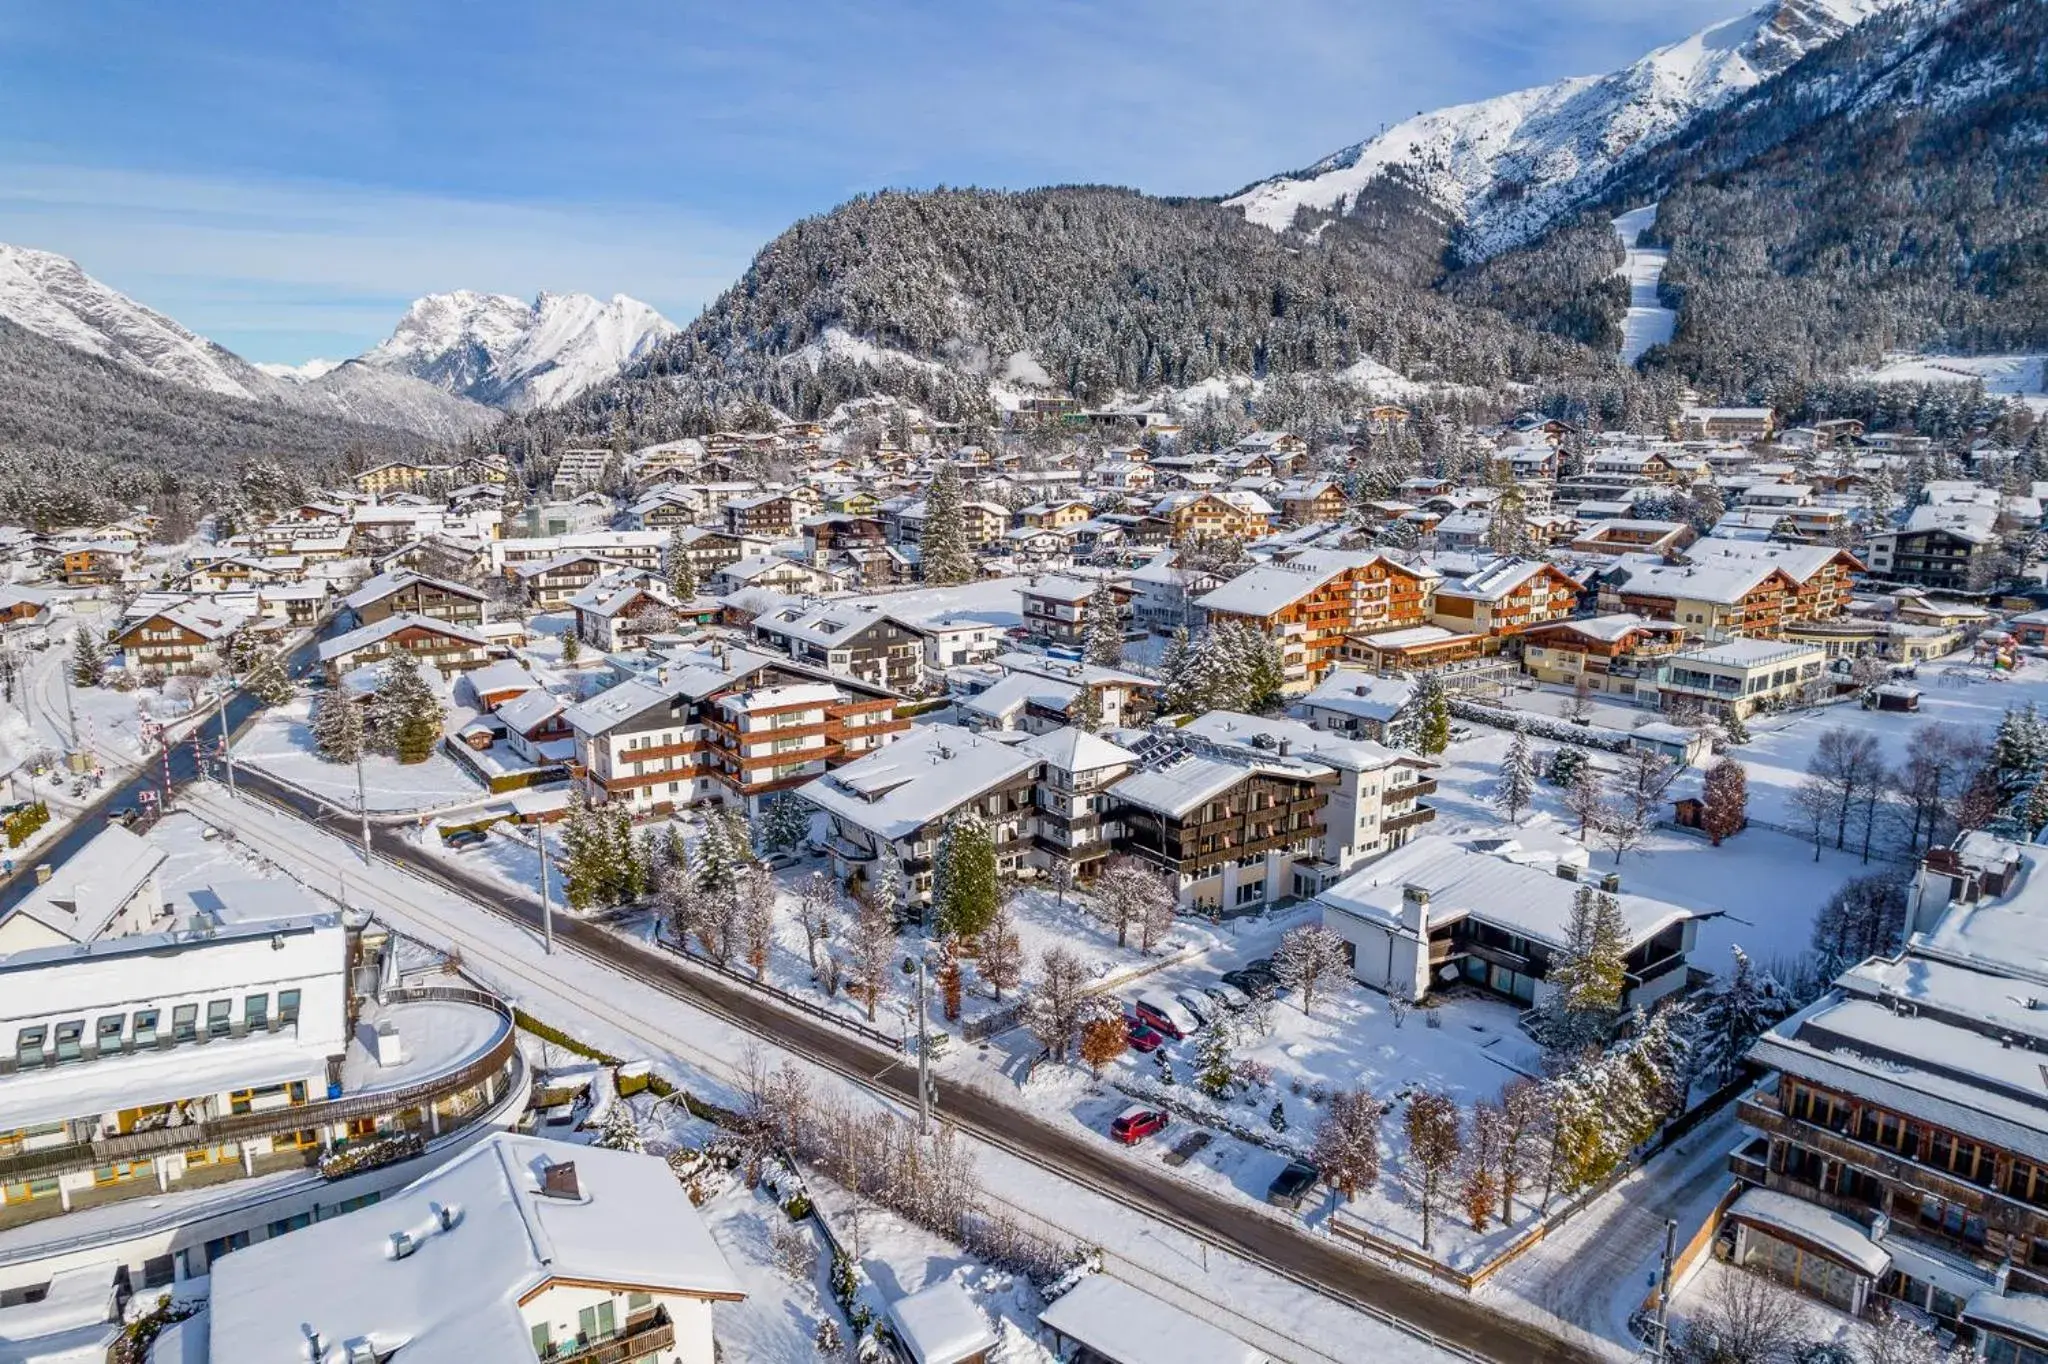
(2023, 376)
(280, 743)
(1952, 692)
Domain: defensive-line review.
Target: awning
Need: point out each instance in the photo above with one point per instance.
(1812, 1227)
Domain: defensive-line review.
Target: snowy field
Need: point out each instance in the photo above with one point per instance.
(1649, 322)
(280, 743)
(2021, 376)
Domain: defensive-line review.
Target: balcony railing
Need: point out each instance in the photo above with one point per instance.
(1421, 814)
(637, 1341)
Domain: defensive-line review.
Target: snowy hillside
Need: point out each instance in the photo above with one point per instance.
(52, 297)
(1508, 166)
(493, 348)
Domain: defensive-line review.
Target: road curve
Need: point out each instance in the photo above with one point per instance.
(1457, 1322)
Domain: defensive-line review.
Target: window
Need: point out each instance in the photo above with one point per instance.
(638, 1302)
(287, 1006)
(145, 1027)
(543, 1340)
(185, 1022)
(1251, 894)
(69, 1041)
(220, 1017)
(256, 1012)
(597, 1323)
(107, 1033)
(28, 1046)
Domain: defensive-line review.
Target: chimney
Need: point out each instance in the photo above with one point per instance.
(1286, 747)
(1415, 909)
(559, 1180)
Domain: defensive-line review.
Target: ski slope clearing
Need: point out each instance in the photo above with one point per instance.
(1649, 322)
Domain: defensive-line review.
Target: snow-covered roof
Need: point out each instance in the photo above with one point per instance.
(92, 885)
(690, 674)
(1076, 750)
(486, 1238)
(1013, 692)
(1499, 578)
(1415, 637)
(505, 674)
(384, 584)
(1838, 1236)
(1348, 691)
(1261, 734)
(1070, 670)
(528, 710)
(1059, 589)
(1528, 900)
(1748, 653)
(1274, 587)
(1128, 1327)
(925, 775)
(1615, 625)
(2020, 1315)
(940, 1324)
(775, 698)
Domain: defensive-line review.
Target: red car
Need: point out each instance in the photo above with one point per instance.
(1136, 1123)
(1143, 1036)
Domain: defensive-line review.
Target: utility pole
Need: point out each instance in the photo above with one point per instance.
(363, 807)
(547, 908)
(227, 752)
(924, 1060)
(1664, 1290)
(70, 714)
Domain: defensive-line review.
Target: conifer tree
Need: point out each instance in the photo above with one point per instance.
(970, 888)
(587, 873)
(682, 570)
(1432, 722)
(1174, 672)
(1105, 640)
(1588, 976)
(619, 1131)
(267, 682)
(1734, 1016)
(338, 727)
(945, 553)
(1516, 787)
(628, 871)
(406, 714)
(88, 663)
(572, 646)
(1217, 1064)
(786, 824)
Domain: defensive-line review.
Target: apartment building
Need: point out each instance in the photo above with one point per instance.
(449, 647)
(415, 594)
(903, 797)
(727, 726)
(1075, 821)
(1438, 909)
(632, 548)
(1901, 1148)
(1308, 604)
(1375, 806)
(1617, 654)
(1227, 512)
(1056, 609)
(1739, 677)
(851, 639)
(1506, 597)
(192, 637)
(169, 1097)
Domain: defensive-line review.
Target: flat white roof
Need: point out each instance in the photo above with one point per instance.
(1117, 1321)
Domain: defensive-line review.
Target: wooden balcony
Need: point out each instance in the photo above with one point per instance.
(1421, 814)
(640, 1339)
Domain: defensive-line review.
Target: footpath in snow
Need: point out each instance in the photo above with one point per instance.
(1649, 322)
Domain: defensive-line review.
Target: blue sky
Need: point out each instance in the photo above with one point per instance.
(286, 177)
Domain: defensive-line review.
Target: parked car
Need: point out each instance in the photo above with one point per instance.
(1143, 1036)
(778, 861)
(1200, 1005)
(1228, 997)
(1254, 984)
(1165, 1014)
(1136, 1123)
(462, 840)
(1292, 1185)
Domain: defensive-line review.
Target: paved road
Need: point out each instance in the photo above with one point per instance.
(1456, 1321)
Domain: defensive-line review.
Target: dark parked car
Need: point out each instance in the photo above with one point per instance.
(1136, 1123)
(1255, 984)
(1143, 1036)
(1292, 1184)
(462, 840)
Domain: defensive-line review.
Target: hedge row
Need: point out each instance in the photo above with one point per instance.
(1540, 726)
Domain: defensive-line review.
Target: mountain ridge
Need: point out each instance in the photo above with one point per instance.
(1509, 167)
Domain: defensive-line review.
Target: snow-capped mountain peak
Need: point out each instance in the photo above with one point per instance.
(51, 296)
(299, 374)
(497, 349)
(1505, 168)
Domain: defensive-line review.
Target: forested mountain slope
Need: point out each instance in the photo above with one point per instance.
(1093, 291)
